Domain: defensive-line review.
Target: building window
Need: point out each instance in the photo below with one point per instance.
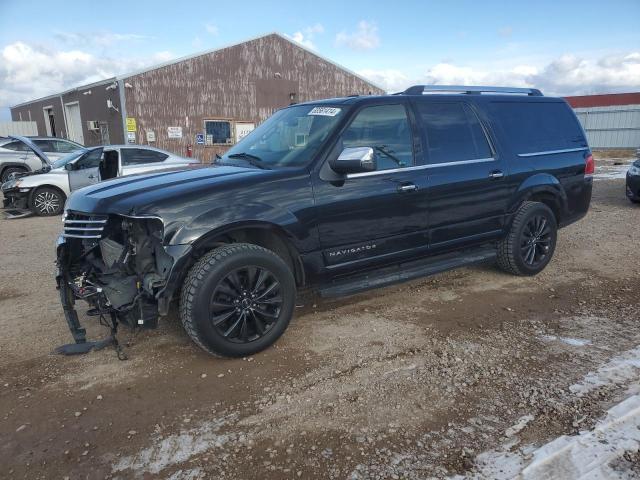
(217, 132)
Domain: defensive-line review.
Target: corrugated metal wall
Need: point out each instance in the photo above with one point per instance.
(242, 83)
(18, 128)
(611, 127)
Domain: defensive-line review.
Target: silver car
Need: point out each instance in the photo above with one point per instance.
(45, 191)
(15, 156)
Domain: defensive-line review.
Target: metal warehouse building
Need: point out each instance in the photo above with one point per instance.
(209, 100)
(611, 121)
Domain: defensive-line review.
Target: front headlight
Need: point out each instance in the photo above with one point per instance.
(635, 171)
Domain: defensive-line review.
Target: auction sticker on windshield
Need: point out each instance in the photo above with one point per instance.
(325, 111)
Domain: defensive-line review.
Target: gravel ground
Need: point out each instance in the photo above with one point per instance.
(425, 379)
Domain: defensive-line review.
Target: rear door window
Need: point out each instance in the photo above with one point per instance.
(139, 156)
(453, 132)
(538, 126)
(44, 145)
(64, 147)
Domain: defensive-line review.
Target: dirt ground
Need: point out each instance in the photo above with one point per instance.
(434, 378)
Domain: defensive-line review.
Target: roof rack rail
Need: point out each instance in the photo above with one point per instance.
(469, 90)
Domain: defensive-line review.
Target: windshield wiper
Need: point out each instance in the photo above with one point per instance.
(254, 160)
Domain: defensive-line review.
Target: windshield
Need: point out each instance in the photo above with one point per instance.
(61, 162)
(289, 138)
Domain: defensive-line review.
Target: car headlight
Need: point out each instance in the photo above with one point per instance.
(635, 171)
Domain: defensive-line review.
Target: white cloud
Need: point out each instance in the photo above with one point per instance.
(364, 38)
(211, 29)
(565, 75)
(28, 71)
(305, 36)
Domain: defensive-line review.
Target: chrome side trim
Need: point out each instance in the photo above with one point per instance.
(419, 167)
(551, 152)
(461, 162)
(385, 172)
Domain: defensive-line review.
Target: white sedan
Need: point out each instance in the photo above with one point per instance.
(45, 191)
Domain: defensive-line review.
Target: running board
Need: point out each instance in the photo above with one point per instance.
(407, 271)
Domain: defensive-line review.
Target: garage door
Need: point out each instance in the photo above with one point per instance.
(74, 123)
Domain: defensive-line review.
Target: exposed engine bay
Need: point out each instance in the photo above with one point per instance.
(116, 264)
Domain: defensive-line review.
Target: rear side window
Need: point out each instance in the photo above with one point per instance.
(44, 145)
(64, 147)
(453, 132)
(538, 127)
(16, 146)
(139, 156)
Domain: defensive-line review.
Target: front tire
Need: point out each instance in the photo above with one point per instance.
(47, 201)
(529, 246)
(237, 300)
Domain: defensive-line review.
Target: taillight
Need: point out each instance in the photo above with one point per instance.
(590, 165)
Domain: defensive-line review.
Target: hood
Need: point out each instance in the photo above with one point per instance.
(46, 163)
(162, 193)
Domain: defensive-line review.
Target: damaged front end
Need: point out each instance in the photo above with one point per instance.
(120, 267)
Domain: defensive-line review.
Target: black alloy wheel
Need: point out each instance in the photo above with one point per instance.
(528, 246)
(237, 299)
(246, 303)
(536, 240)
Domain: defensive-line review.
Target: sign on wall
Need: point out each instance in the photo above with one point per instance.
(243, 129)
(131, 124)
(199, 138)
(151, 136)
(174, 132)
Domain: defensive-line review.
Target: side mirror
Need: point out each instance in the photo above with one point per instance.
(355, 160)
(70, 166)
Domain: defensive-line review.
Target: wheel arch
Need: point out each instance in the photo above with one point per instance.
(268, 235)
(543, 188)
(6, 165)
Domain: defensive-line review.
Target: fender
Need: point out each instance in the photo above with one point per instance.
(220, 220)
(541, 184)
(14, 164)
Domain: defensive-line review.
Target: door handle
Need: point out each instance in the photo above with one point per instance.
(91, 176)
(408, 187)
(496, 174)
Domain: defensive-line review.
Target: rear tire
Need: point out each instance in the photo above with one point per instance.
(237, 300)
(8, 171)
(529, 246)
(47, 201)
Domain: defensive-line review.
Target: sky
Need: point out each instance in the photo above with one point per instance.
(561, 47)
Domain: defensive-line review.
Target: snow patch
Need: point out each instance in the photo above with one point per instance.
(193, 474)
(620, 369)
(177, 448)
(610, 172)
(589, 454)
(574, 342)
(519, 425)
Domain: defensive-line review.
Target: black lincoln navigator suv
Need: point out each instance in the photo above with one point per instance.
(341, 195)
